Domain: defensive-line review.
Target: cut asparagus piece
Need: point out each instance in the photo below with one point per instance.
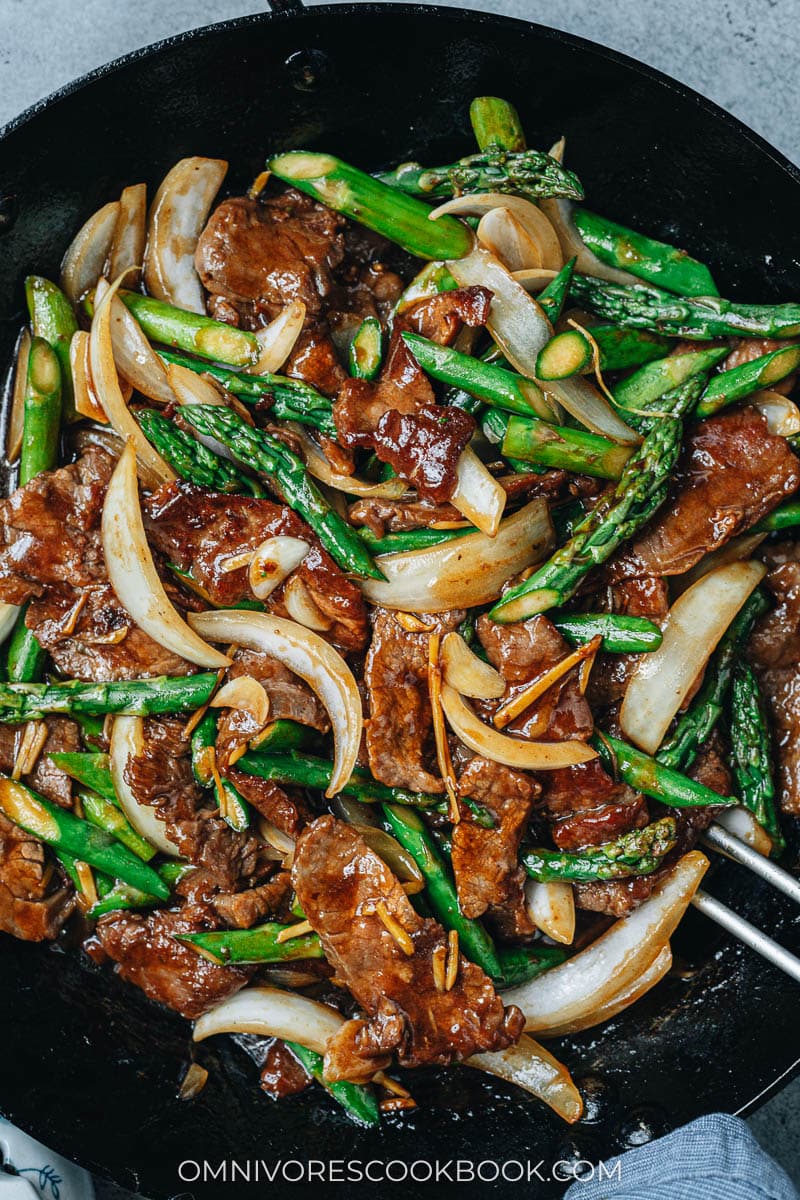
(393, 214)
(639, 852)
(288, 477)
(64, 831)
(656, 262)
(257, 945)
(232, 805)
(653, 380)
(786, 516)
(366, 349)
(411, 539)
(162, 322)
(751, 753)
(116, 896)
(138, 697)
(568, 353)
(103, 815)
(521, 963)
(53, 318)
(485, 381)
(622, 348)
(357, 1099)
(729, 386)
(648, 775)
(641, 307)
(89, 769)
(530, 440)
(495, 122)
(621, 634)
(553, 298)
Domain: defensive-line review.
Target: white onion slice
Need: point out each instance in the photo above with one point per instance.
(190, 388)
(106, 385)
(694, 624)
(466, 571)
(532, 1067)
(127, 248)
(478, 496)
(742, 824)
(302, 608)
(612, 963)
(127, 742)
(276, 341)
(246, 693)
(534, 280)
(271, 1012)
(16, 420)
(733, 551)
(532, 220)
(133, 574)
(501, 233)
(8, 619)
(583, 401)
(467, 673)
(500, 747)
(87, 402)
(273, 561)
(551, 907)
(135, 358)
(86, 256)
(612, 1007)
(558, 211)
(318, 466)
(310, 657)
(781, 414)
(180, 208)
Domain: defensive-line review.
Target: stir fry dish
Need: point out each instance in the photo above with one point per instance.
(400, 579)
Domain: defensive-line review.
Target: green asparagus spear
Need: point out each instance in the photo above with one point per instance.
(140, 697)
(366, 349)
(568, 353)
(651, 381)
(553, 298)
(40, 437)
(616, 516)
(530, 173)
(751, 753)
(492, 384)
(496, 122)
(412, 833)
(287, 475)
(729, 386)
(565, 517)
(192, 460)
(695, 725)
(103, 815)
(530, 440)
(521, 963)
(303, 770)
(116, 896)
(653, 261)
(622, 348)
(646, 774)
(282, 735)
(357, 1099)
(786, 516)
(162, 322)
(411, 539)
(89, 769)
(639, 852)
(641, 307)
(257, 945)
(621, 634)
(395, 215)
(64, 831)
(53, 319)
(292, 399)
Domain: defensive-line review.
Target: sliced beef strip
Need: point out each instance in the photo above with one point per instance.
(339, 882)
(486, 861)
(243, 909)
(34, 901)
(200, 530)
(147, 954)
(51, 555)
(732, 471)
(397, 416)
(281, 1074)
(50, 781)
(399, 731)
(775, 652)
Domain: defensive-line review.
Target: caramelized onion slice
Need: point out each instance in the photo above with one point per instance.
(781, 414)
(532, 1067)
(178, 214)
(551, 907)
(271, 1012)
(661, 681)
(514, 752)
(612, 963)
(478, 496)
(127, 742)
(447, 576)
(301, 606)
(534, 280)
(127, 248)
(85, 259)
(467, 673)
(133, 574)
(106, 385)
(742, 824)
(135, 358)
(87, 403)
(501, 233)
(611, 1008)
(276, 341)
(246, 693)
(273, 561)
(310, 657)
(531, 219)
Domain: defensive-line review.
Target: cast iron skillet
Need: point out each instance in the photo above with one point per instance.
(87, 1064)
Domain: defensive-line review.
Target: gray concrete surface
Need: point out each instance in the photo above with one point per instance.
(741, 53)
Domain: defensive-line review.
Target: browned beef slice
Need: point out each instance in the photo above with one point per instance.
(339, 882)
(34, 902)
(731, 473)
(46, 778)
(147, 953)
(643, 597)
(246, 908)
(775, 651)
(200, 530)
(485, 861)
(51, 554)
(399, 732)
(281, 1074)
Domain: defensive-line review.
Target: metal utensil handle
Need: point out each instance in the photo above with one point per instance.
(747, 933)
(734, 848)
